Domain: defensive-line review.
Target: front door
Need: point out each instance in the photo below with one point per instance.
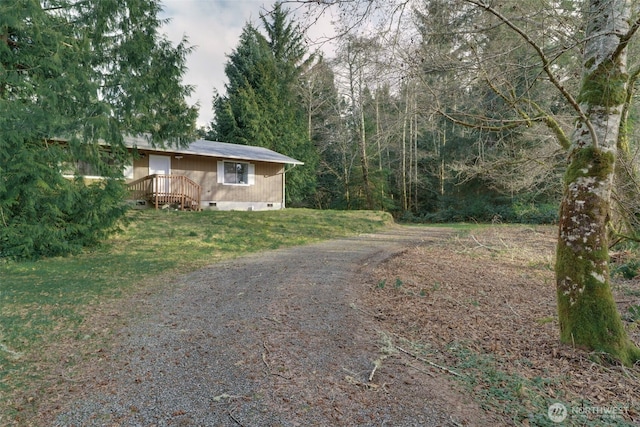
(160, 165)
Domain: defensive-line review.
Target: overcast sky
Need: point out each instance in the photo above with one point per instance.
(214, 27)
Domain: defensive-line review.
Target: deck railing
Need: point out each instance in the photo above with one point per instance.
(164, 190)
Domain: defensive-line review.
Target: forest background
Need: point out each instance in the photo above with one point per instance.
(433, 110)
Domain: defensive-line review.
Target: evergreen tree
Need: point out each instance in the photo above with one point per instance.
(262, 105)
(240, 117)
(82, 72)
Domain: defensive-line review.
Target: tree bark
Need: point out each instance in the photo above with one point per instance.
(403, 172)
(587, 312)
(364, 159)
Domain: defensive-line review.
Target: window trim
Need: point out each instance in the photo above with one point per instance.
(80, 166)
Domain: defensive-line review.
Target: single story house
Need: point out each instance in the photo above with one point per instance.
(207, 175)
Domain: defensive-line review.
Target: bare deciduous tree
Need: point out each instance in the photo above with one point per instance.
(587, 313)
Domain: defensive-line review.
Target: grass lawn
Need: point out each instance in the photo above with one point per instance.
(45, 302)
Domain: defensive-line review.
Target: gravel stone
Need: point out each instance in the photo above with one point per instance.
(270, 339)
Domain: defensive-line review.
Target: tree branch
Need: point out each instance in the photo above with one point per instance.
(623, 136)
(506, 124)
(553, 124)
(428, 362)
(626, 38)
(546, 64)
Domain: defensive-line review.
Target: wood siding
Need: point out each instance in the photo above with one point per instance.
(203, 170)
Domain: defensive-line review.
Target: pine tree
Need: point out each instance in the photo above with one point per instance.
(84, 72)
(262, 105)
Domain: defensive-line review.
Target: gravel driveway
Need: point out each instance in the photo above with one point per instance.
(271, 339)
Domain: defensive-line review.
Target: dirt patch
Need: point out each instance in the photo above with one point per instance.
(484, 305)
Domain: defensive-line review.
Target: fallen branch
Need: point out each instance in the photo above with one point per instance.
(234, 419)
(264, 356)
(224, 396)
(483, 246)
(511, 308)
(503, 243)
(373, 372)
(368, 386)
(376, 365)
(418, 369)
(435, 365)
(264, 360)
(355, 307)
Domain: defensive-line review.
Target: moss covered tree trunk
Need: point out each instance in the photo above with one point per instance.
(587, 312)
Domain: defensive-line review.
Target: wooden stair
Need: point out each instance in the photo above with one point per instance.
(167, 190)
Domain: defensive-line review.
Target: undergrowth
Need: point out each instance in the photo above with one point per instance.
(520, 400)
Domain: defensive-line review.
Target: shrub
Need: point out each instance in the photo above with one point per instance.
(61, 218)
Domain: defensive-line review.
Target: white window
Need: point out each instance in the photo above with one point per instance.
(88, 170)
(81, 168)
(102, 164)
(236, 173)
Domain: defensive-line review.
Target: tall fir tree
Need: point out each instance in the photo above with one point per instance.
(84, 72)
(262, 105)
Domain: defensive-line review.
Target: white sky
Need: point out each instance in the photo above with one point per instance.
(214, 27)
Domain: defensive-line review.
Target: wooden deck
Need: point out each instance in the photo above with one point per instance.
(167, 190)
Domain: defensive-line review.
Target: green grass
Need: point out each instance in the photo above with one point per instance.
(45, 302)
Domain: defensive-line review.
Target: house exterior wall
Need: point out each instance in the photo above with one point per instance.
(265, 193)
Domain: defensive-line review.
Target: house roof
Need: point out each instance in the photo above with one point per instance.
(202, 147)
